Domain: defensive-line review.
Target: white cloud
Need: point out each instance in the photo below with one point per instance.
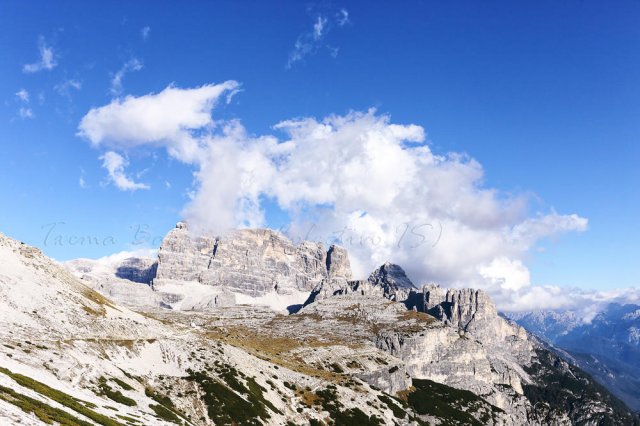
(23, 95)
(585, 304)
(168, 118)
(504, 272)
(47, 59)
(131, 65)
(25, 112)
(82, 182)
(23, 99)
(371, 185)
(107, 265)
(333, 51)
(310, 42)
(115, 165)
(145, 32)
(342, 17)
(64, 88)
(117, 258)
(318, 27)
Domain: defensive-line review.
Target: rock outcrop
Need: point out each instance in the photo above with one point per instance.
(124, 280)
(253, 262)
(393, 280)
(388, 281)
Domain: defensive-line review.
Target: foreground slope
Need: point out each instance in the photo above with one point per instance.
(70, 356)
(410, 342)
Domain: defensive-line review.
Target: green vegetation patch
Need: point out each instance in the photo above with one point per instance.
(336, 368)
(341, 416)
(160, 399)
(60, 397)
(165, 409)
(450, 404)
(45, 413)
(114, 395)
(122, 384)
(230, 400)
(398, 412)
(165, 414)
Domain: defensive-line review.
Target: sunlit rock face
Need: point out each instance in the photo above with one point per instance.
(253, 262)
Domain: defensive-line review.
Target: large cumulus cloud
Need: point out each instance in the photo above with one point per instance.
(358, 179)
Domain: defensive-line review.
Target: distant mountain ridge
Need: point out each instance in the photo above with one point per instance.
(608, 347)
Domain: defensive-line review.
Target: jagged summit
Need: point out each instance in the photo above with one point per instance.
(392, 275)
(392, 279)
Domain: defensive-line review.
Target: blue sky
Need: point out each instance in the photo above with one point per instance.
(544, 95)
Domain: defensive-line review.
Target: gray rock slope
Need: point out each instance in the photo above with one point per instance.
(70, 356)
(409, 342)
(477, 350)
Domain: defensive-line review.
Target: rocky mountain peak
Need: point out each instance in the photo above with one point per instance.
(393, 280)
(338, 265)
(256, 263)
(392, 275)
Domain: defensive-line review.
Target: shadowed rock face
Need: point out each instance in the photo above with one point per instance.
(136, 269)
(254, 262)
(393, 280)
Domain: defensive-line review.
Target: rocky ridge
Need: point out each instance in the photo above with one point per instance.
(383, 331)
(70, 356)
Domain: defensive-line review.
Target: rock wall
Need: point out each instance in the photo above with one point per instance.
(254, 262)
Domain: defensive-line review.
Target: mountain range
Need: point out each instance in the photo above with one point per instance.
(607, 346)
(253, 329)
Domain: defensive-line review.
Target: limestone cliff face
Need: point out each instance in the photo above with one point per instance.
(462, 308)
(470, 311)
(338, 265)
(253, 262)
(472, 349)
